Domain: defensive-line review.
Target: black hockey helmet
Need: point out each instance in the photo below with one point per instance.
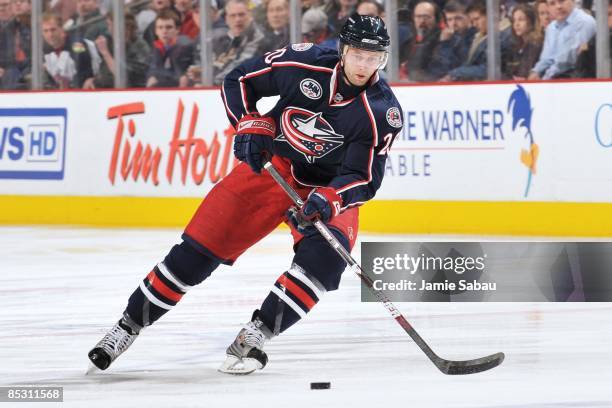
(365, 32)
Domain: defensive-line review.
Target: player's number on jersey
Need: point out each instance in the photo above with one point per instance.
(388, 140)
(272, 55)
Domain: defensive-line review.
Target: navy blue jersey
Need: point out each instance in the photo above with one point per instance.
(330, 141)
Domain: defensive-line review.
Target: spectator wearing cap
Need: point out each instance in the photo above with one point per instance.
(415, 60)
(455, 40)
(172, 53)
(87, 23)
(66, 60)
(564, 37)
(315, 29)
(526, 43)
(276, 29)
(239, 42)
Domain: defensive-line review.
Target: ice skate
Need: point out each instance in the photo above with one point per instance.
(245, 354)
(112, 345)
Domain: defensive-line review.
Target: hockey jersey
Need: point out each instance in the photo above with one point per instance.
(330, 141)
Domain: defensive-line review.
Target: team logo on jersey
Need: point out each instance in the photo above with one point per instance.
(394, 118)
(301, 46)
(338, 97)
(308, 133)
(311, 88)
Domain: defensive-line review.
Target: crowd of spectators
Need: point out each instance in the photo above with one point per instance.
(439, 40)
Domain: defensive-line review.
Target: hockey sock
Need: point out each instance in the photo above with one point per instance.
(183, 268)
(316, 269)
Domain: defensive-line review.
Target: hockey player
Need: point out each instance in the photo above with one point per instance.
(328, 135)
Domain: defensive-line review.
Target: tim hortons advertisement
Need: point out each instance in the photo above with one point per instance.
(541, 142)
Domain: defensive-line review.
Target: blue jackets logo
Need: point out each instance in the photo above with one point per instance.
(308, 133)
(32, 143)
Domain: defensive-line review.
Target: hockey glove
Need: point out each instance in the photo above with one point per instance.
(302, 226)
(322, 203)
(254, 141)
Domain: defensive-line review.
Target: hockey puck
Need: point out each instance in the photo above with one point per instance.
(320, 386)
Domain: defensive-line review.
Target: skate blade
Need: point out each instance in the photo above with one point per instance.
(92, 369)
(236, 366)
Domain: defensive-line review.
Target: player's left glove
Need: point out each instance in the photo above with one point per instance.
(254, 140)
(322, 203)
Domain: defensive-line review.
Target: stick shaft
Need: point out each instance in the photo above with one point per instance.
(354, 266)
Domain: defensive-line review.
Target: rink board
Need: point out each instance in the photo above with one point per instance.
(478, 159)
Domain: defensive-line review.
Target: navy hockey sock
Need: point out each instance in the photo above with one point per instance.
(166, 284)
(316, 269)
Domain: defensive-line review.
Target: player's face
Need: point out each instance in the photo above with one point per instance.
(360, 65)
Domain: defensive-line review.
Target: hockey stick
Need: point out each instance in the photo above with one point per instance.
(446, 366)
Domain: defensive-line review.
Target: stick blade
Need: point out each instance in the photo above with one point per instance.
(470, 366)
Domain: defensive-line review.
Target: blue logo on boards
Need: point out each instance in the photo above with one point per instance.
(603, 125)
(519, 106)
(33, 143)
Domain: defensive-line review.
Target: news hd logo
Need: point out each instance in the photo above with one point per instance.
(32, 143)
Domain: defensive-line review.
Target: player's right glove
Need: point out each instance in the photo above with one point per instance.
(254, 140)
(303, 226)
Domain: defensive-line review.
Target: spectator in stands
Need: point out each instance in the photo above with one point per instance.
(571, 29)
(67, 62)
(315, 29)
(189, 28)
(15, 43)
(158, 6)
(276, 30)
(137, 53)
(63, 8)
(415, 60)
(338, 11)
(236, 44)
(455, 40)
(7, 46)
(475, 66)
(587, 63)
(526, 43)
(308, 4)
(543, 15)
(172, 53)
(87, 23)
(370, 8)
(146, 17)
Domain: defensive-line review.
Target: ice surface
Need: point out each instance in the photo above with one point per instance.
(62, 288)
